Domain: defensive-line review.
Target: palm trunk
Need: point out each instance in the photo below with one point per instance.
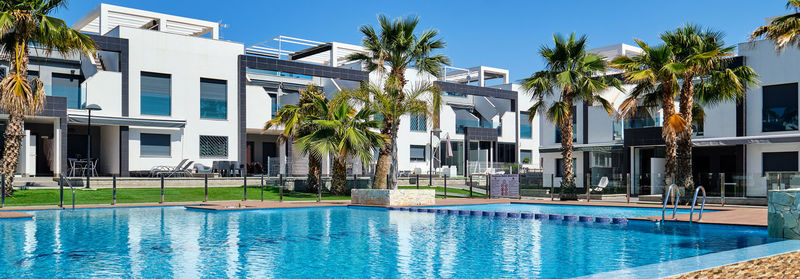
(339, 181)
(384, 158)
(314, 171)
(683, 171)
(14, 129)
(669, 139)
(568, 191)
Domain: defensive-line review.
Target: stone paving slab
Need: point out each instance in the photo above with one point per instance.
(779, 266)
(14, 215)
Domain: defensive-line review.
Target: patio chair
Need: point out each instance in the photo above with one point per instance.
(185, 170)
(200, 168)
(166, 170)
(601, 185)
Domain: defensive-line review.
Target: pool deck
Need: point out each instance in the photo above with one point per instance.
(729, 215)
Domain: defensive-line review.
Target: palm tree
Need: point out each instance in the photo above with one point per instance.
(656, 74)
(296, 123)
(783, 30)
(706, 57)
(571, 75)
(396, 48)
(343, 132)
(25, 23)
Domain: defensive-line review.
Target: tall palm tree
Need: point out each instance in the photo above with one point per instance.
(656, 73)
(390, 53)
(783, 30)
(296, 123)
(25, 23)
(571, 75)
(706, 58)
(343, 132)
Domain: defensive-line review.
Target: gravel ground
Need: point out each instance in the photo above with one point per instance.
(779, 266)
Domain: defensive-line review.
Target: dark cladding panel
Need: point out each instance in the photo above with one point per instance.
(476, 90)
(300, 68)
(643, 136)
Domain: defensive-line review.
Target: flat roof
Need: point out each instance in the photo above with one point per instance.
(105, 18)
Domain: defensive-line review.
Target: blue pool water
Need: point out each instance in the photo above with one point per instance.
(338, 242)
(581, 210)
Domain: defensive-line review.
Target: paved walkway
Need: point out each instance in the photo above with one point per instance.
(779, 266)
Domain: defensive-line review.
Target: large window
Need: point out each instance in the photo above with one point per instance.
(526, 156)
(154, 145)
(68, 86)
(417, 153)
(213, 98)
(779, 161)
(213, 147)
(418, 122)
(779, 108)
(525, 127)
(156, 92)
(273, 100)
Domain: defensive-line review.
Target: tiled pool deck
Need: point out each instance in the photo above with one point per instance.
(729, 215)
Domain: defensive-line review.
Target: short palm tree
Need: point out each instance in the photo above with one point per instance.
(656, 74)
(571, 75)
(783, 30)
(296, 123)
(25, 23)
(706, 58)
(393, 50)
(343, 132)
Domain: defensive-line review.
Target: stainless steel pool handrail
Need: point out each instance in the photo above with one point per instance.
(675, 204)
(61, 181)
(694, 202)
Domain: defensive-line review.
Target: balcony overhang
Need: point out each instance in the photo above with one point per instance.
(126, 121)
(477, 90)
(300, 68)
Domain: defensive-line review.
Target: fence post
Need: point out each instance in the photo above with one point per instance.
(628, 187)
(280, 187)
(552, 186)
(417, 181)
(3, 195)
(722, 191)
(470, 186)
(320, 182)
(586, 181)
(60, 190)
(489, 186)
(162, 189)
(445, 186)
(205, 187)
(113, 189)
(387, 182)
(262, 187)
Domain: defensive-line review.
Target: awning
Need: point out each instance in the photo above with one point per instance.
(764, 139)
(127, 121)
(583, 147)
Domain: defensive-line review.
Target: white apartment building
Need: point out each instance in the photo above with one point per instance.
(171, 90)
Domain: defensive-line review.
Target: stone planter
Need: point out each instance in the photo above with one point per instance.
(783, 215)
(405, 197)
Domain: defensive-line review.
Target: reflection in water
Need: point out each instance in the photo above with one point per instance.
(337, 242)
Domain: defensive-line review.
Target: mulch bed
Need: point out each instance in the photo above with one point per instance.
(779, 266)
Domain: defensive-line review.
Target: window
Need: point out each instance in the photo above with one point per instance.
(779, 161)
(418, 123)
(417, 153)
(155, 145)
(616, 130)
(506, 152)
(69, 86)
(156, 94)
(213, 146)
(273, 99)
(574, 128)
(525, 127)
(526, 156)
(560, 167)
(3, 72)
(779, 108)
(213, 98)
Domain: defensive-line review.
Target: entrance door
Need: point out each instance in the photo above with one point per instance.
(269, 155)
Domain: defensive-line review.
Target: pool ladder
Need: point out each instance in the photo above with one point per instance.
(666, 200)
(694, 202)
(61, 181)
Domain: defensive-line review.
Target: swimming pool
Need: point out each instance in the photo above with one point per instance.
(581, 210)
(340, 242)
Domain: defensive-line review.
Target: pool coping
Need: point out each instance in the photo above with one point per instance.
(702, 262)
(15, 215)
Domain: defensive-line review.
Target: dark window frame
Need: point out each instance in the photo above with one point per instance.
(154, 135)
(141, 94)
(417, 159)
(207, 99)
(781, 162)
(781, 94)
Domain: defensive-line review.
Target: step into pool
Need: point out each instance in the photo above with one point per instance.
(342, 242)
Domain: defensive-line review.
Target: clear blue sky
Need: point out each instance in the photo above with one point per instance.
(503, 34)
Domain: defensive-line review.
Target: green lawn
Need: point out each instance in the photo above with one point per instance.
(152, 195)
(449, 191)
